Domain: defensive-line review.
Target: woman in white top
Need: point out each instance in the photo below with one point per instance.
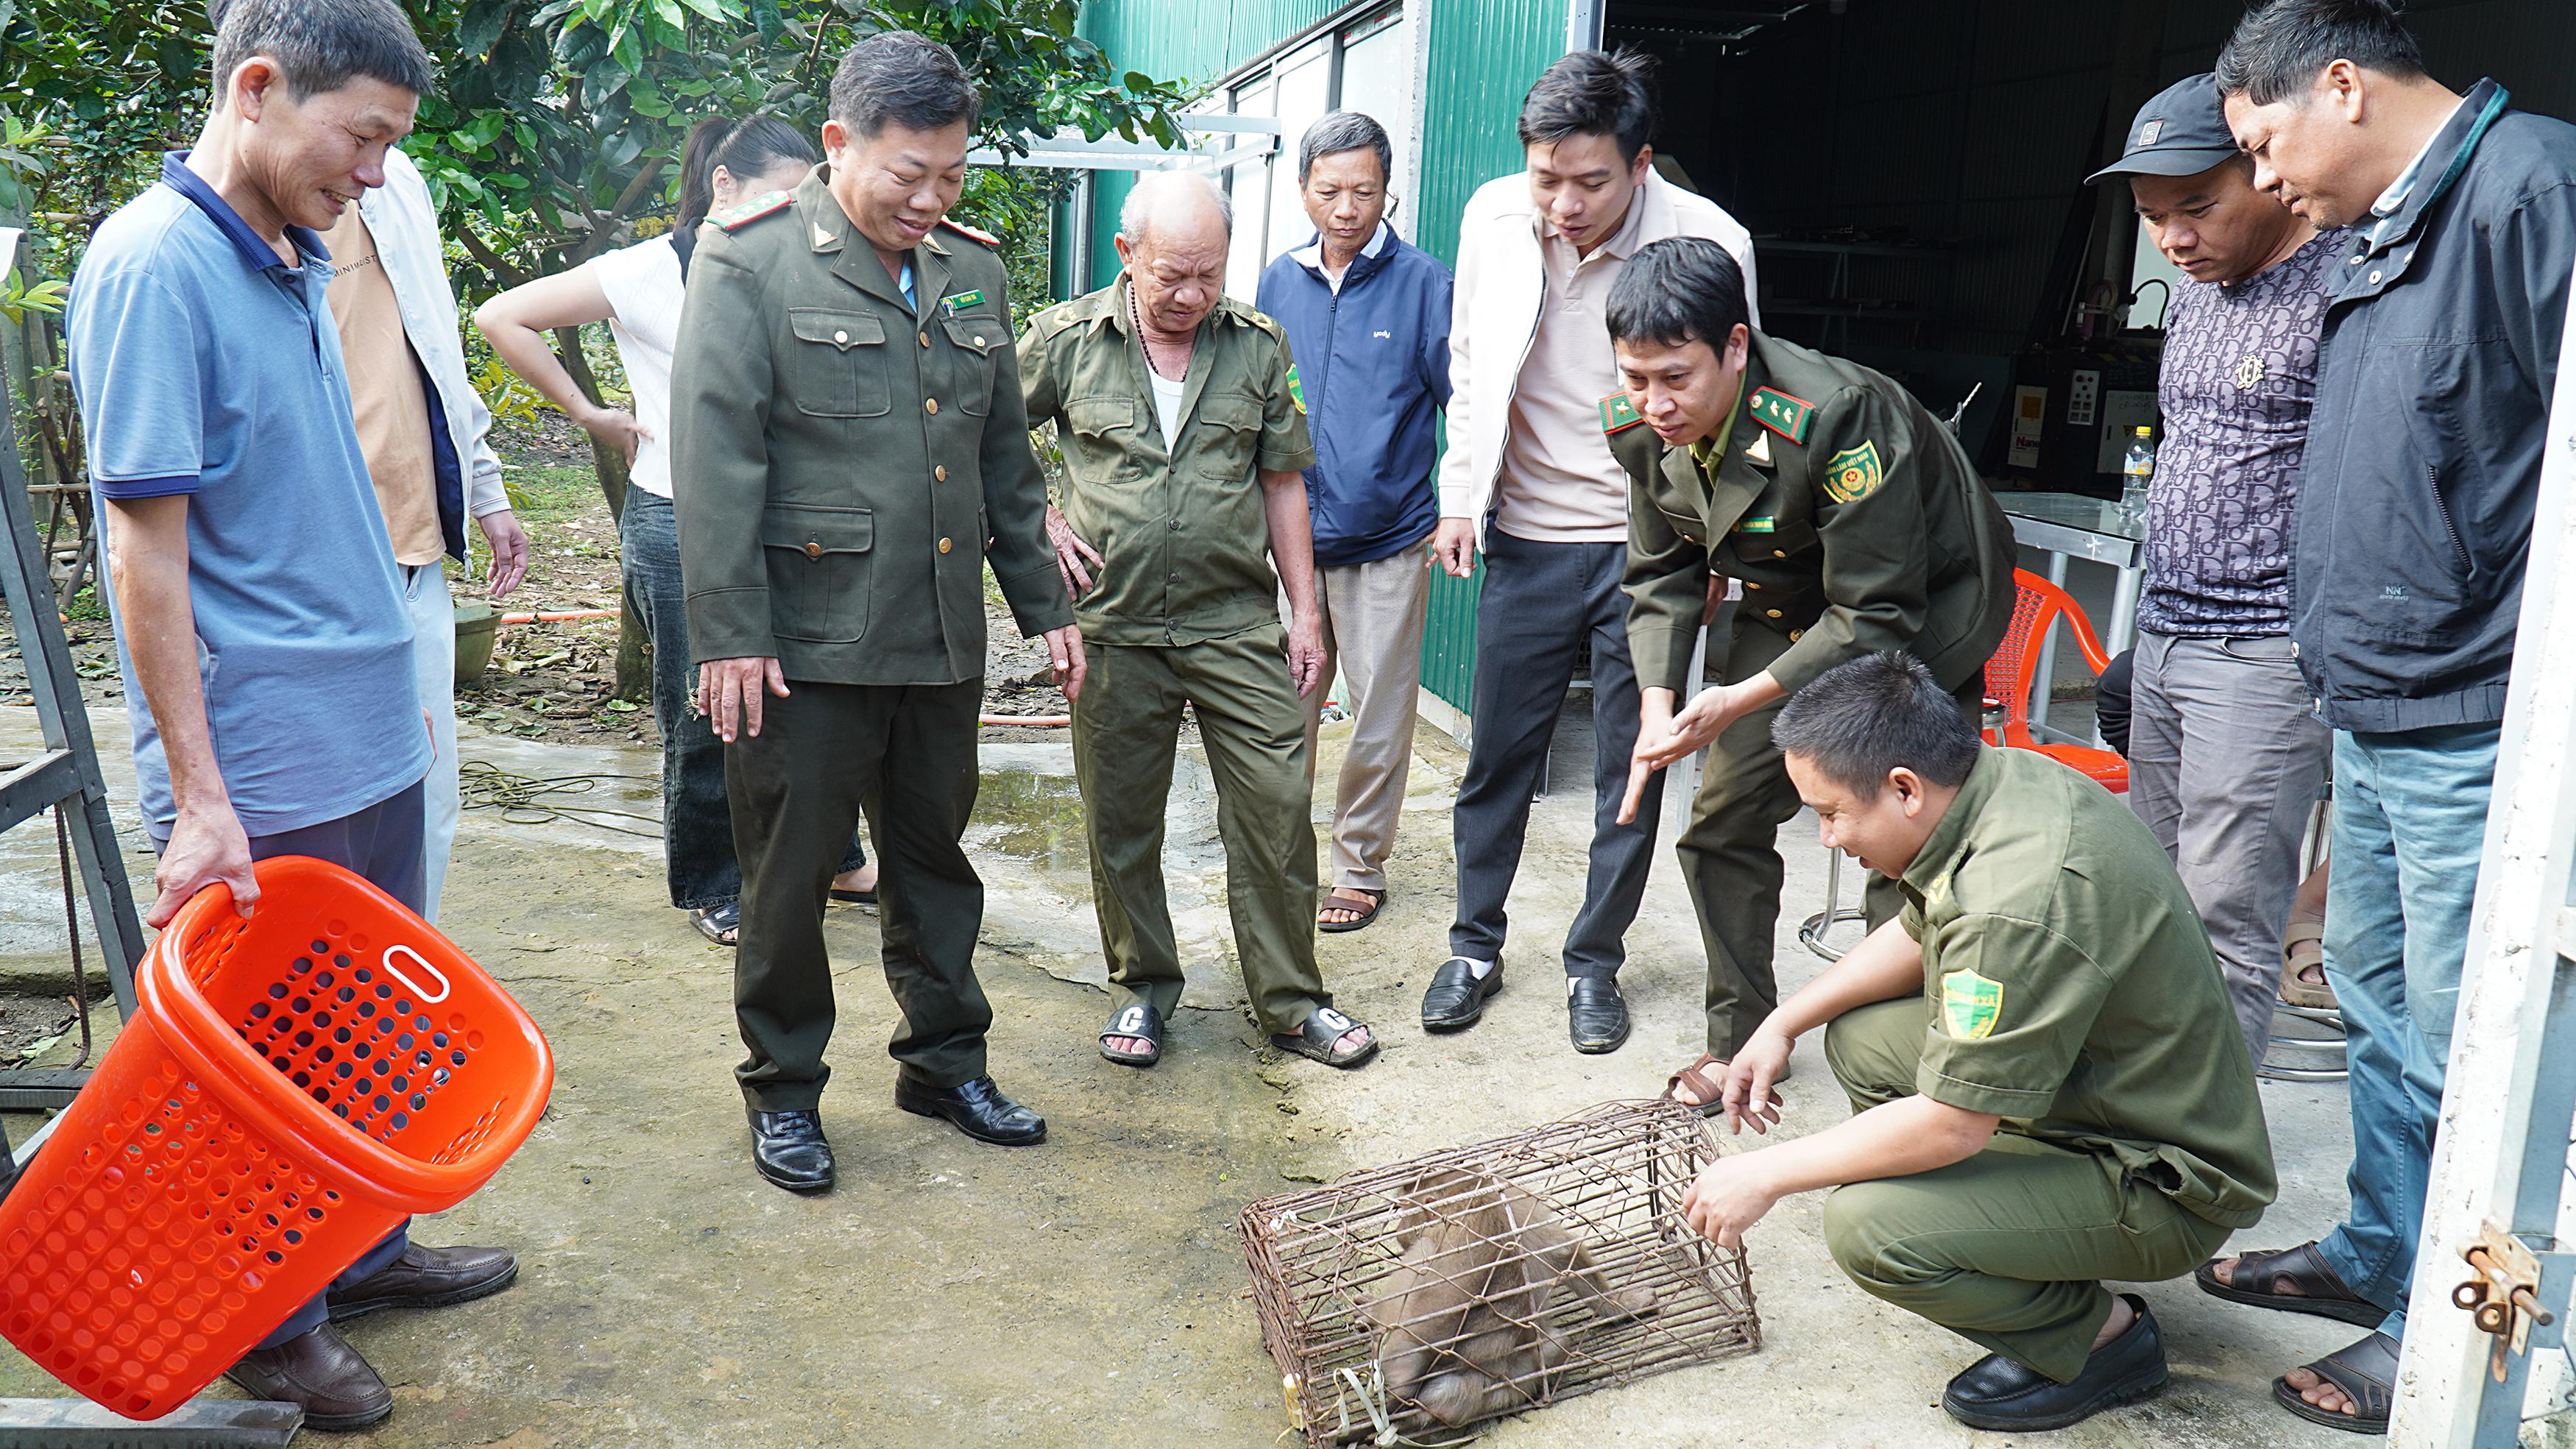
(637, 291)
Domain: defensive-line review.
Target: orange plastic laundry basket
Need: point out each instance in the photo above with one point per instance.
(290, 1088)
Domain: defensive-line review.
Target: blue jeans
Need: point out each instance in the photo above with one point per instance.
(2410, 824)
(697, 823)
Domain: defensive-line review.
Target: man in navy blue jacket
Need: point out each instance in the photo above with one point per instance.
(2441, 346)
(1368, 322)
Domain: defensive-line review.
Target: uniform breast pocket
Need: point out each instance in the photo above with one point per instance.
(1103, 431)
(976, 339)
(818, 570)
(1229, 437)
(838, 369)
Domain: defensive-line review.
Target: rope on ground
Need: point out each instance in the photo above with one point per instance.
(538, 800)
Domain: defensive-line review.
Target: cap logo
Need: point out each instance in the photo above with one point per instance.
(2148, 133)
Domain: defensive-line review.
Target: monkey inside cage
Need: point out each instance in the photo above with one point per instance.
(1479, 1281)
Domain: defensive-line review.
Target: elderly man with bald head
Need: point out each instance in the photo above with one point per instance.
(1184, 520)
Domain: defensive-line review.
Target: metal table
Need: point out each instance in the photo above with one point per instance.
(2073, 526)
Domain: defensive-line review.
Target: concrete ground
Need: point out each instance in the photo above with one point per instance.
(1092, 1289)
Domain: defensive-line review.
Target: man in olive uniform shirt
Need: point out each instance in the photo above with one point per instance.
(1184, 447)
(1853, 522)
(2047, 1085)
(847, 427)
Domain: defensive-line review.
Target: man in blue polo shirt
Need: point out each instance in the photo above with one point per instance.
(260, 623)
(1367, 319)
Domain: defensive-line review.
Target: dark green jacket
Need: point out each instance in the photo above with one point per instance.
(841, 468)
(1850, 514)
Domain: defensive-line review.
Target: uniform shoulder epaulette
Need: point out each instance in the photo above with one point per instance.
(1619, 414)
(752, 210)
(962, 229)
(1790, 417)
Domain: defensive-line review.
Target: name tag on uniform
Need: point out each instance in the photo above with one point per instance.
(952, 305)
(1765, 524)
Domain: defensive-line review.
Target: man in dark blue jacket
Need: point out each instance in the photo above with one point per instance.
(2441, 350)
(1368, 322)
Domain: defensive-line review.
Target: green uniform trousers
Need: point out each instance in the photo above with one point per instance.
(1126, 731)
(905, 754)
(2007, 1249)
(1730, 853)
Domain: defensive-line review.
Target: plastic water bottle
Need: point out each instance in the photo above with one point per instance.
(2137, 469)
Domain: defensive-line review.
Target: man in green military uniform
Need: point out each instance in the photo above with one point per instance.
(1854, 523)
(851, 448)
(1184, 447)
(2047, 1084)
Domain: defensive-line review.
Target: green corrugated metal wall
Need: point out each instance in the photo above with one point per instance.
(1483, 56)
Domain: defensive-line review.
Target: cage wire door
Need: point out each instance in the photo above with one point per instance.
(1405, 1302)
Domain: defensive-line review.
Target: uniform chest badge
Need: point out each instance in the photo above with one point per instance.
(2249, 372)
(1853, 474)
(1970, 1004)
(953, 305)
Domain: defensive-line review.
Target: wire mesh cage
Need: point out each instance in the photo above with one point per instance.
(1479, 1281)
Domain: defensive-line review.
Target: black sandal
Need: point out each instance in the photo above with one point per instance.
(2366, 1372)
(720, 924)
(2321, 1292)
(844, 896)
(1314, 1040)
(1140, 1021)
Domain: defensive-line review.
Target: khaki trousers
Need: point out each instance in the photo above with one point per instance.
(1126, 732)
(1372, 618)
(2008, 1248)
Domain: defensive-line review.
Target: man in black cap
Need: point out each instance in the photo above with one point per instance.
(2225, 753)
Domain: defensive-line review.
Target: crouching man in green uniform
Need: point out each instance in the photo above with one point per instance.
(2047, 1082)
(1184, 441)
(1853, 522)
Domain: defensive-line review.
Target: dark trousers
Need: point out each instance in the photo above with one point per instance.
(697, 826)
(382, 843)
(1540, 602)
(905, 755)
(1730, 851)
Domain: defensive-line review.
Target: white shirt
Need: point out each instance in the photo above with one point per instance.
(1312, 257)
(644, 291)
(1167, 403)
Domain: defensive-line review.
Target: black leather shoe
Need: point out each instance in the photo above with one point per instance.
(1997, 1393)
(1596, 1015)
(427, 1278)
(790, 1150)
(1457, 996)
(320, 1372)
(976, 1108)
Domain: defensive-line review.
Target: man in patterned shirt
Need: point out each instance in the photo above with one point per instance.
(2225, 754)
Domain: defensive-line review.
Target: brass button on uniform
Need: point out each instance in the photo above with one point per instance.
(925, 339)
(1771, 613)
(1779, 553)
(940, 472)
(1796, 634)
(979, 339)
(943, 545)
(813, 550)
(930, 406)
(1748, 583)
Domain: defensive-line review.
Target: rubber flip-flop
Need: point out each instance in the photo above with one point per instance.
(1314, 1040)
(720, 924)
(1141, 1022)
(841, 895)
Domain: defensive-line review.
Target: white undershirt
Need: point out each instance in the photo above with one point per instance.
(1167, 403)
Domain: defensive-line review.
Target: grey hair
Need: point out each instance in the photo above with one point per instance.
(320, 45)
(2278, 50)
(901, 78)
(1341, 131)
(1152, 188)
(1860, 719)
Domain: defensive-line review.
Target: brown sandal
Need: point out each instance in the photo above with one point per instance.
(1366, 903)
(1711, 1090)
(2303, 947)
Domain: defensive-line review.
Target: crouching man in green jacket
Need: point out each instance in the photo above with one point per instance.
(2047, 1084)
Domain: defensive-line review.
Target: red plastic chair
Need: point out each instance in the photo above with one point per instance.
(2037, 603)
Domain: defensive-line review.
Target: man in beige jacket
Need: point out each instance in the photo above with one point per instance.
(1528, 481)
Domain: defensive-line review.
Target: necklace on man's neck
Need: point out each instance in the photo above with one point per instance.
(1136, 320)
